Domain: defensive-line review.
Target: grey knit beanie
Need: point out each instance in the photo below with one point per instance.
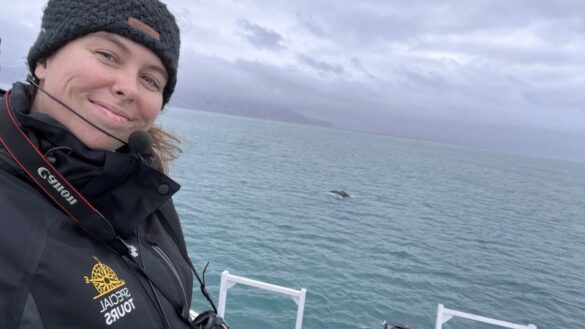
(147, 22)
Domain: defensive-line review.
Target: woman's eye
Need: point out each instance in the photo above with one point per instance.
(107, 56)
(151, 82)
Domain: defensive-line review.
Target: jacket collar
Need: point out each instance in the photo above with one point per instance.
(120, 185)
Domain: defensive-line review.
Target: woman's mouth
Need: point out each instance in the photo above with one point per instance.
(111, 115)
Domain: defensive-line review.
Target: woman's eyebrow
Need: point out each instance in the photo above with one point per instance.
(160, 70)
(115, 41)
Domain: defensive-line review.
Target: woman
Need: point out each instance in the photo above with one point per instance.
(90, 237)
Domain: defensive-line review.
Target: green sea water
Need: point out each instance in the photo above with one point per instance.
(493, 234)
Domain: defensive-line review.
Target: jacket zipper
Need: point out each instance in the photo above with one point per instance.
(170, 264)
(160, 309)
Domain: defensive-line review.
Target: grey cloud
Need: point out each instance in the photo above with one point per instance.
(361, 27)
(481, 96)
(321, 65)
(422, 79)
(261, 37)
(249, 81)
(357, 64)
(312, 24)
(245, 79)
(367, 22)
(16, 40)
(504, 53)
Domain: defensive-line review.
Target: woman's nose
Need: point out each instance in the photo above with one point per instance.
(126, 86)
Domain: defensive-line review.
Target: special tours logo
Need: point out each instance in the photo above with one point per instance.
(115, 299)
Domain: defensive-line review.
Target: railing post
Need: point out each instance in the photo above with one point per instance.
(223, 287)
(439, 321)
(301, 309)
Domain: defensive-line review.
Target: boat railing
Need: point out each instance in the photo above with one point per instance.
(229, 280)
(444, 314)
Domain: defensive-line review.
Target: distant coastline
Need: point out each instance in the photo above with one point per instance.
(243, 108)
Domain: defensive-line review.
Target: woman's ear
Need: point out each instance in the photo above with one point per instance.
(41, 69)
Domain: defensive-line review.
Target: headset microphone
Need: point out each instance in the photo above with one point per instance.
(139, 141)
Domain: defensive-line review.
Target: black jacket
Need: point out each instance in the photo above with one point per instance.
(52, 274)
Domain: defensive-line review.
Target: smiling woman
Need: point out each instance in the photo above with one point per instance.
(111, 81)
(100, 73)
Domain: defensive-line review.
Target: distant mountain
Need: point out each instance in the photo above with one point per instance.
(238, 107)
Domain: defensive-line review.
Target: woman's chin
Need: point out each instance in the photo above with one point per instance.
(102, 142)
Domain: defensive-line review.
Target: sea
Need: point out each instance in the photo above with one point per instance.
(487, 233)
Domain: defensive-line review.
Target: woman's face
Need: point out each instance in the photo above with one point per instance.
(113, 82)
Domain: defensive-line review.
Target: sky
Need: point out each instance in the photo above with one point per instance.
(507, 75)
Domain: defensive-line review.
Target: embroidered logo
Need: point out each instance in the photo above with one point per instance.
(115, 300)
(104, 279)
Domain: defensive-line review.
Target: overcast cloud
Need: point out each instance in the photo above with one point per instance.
(507, 74)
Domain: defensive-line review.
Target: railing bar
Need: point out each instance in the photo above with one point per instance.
(228, 279)
(483, 319)
(263, 285)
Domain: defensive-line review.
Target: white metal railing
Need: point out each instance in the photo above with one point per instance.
(192, 315)
(228, 280)
(444, 314)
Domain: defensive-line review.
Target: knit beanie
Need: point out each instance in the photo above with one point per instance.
(147, 22)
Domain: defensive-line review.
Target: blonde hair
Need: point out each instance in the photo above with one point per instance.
(165, 148)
